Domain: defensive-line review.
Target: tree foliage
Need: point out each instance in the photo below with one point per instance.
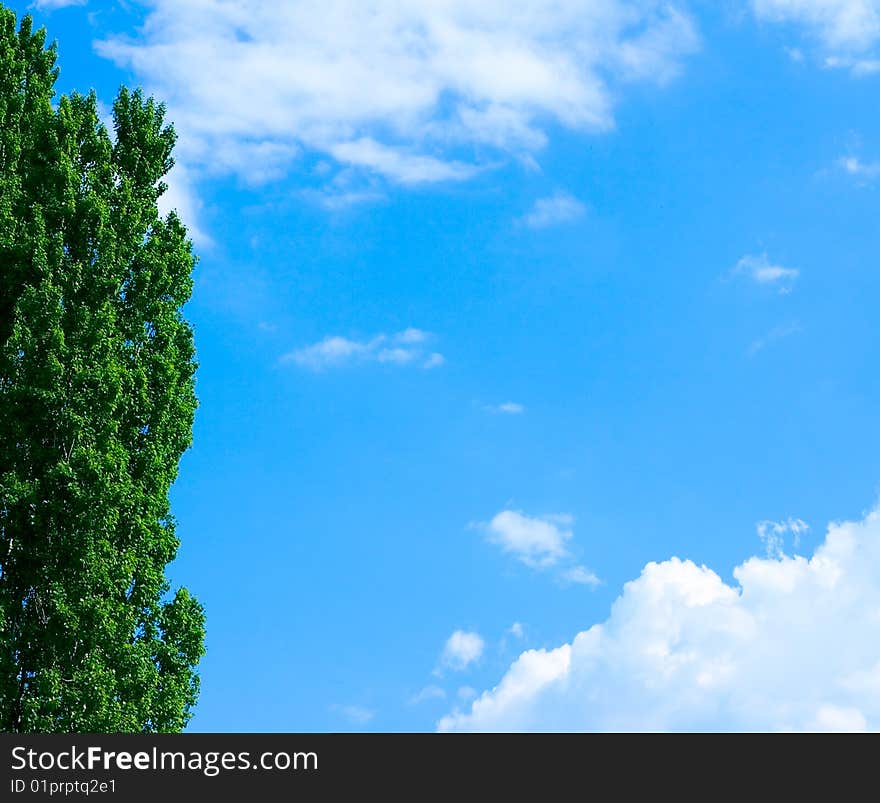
(96, 408)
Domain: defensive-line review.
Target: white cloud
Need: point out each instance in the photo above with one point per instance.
(397, 355)
(181, 198)
(760, 270)
(51, 5)
(540, 542)
(793, 644)
(833, 719)
(330, 351)
(333, 351)
(773, 533)
(858, 67)
(393, 163)
(846, 30)
(462, 649)
(581, 576)
(338, 201)
(852, 25)
(865, 67)
(410, 336)
(516, 630)
(410, 89)
(854, 166)
(776, 333)
(559, 208)
(506, 408)
(434, 360)
(428, 693)
(356, 714)
(537, 541)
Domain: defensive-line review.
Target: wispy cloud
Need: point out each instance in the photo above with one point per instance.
(431, 692)
(858, 68)
(434, 360)
(416, 92)
(580, 575)
(401, 348)
(516, 630)
(398, 165)
(51, 5)
(777, 333)
(846, 31)
(505, 408)
(355, 714)
(853, 166)
(773, 533)
(557, 209)
(865, 67)
(466, 693)
(760, 270)
(336, 201)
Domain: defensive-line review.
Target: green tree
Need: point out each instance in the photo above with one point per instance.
(96, 408)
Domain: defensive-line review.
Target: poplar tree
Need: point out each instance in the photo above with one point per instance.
(96, 408)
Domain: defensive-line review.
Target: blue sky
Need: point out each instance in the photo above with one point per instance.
(499, 312)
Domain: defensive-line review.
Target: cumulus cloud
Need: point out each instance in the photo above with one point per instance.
(516, 630)
(847, 31)
(408, 89)
(559, 208)
(462, 649)
(401, 348)
(760, 270)
(792, 644)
